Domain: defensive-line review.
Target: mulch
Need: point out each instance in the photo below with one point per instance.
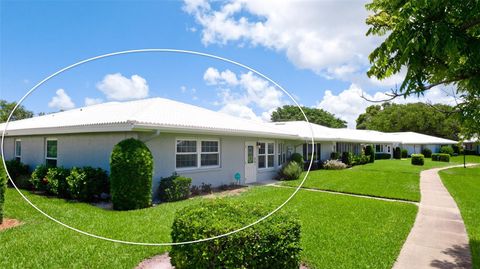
(9, 223)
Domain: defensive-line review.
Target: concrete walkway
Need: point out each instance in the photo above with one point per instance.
(438, 238)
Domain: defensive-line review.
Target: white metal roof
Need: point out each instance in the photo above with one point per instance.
(146, 114)
(416, 138)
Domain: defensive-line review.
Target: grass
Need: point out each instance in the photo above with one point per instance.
(464, 185)
(337, 231)
(396, 179)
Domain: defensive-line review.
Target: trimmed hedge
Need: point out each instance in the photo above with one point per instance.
(273, 243)
(298, 158)
(361, 159)
(404, 153)
(131, 172)
(87, 183)
(418, 159)
(290, 171)
(347, 158)
(397, 153)
(447, 150)
(427, 152)
(383, 156)
(370, 152)
(3, 185)
(38, 180)
(174, 188)
(56, 179)
(441, 157)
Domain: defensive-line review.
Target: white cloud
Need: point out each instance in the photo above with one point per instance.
(61, 101)
(349, 104)
(118, 87)
(183, 89)
(251, 91)
(327, 37)
(92, 101)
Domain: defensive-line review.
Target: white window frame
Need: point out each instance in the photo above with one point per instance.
(381, 148)
(18, 156)
(266, 154)
(46, 150)
(198, 153)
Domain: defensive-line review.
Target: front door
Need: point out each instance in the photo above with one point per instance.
(250, 162)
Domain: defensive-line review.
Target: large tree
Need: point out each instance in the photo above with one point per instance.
(437, 42)
(437, 120)
(314, 115)
(20, 113)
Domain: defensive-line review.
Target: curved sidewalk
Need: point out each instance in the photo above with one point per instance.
(438, 238)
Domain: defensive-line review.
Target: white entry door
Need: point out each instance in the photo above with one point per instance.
(250, 162)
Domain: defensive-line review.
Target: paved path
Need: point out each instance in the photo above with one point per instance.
(438, 238)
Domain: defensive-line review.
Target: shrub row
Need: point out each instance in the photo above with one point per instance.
(273, 243)
(418, 159)
(427, 152)
(84, 184)
(383, 156)
(174, 188)
(441, 157)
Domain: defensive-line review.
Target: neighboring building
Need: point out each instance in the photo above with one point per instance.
(472, 146)
(415, 142)
(205, 145)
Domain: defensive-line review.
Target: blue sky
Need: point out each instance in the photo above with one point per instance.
(315, 50)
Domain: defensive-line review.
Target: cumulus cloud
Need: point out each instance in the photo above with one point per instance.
(327, 37)
(118, 87)
(92, 101)
(250, 91)
(349, 104)
(61, 101)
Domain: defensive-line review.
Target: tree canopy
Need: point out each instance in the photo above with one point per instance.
(20, 113)
(437, 42)
(417, 117)
(314, 115)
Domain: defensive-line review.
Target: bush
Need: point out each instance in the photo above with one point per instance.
(3, 185)
(347, 158)
(427, 152)
(131, 171)
(87, 183)
(404, 153)
(297, 157)
(290, 171)
(397, 153)
(334, 165)
(174, 188)
(456, 149)
(206, 188)
(441, 157)
(274, 243)
(195, 190)
(418, 159)
(334, 156)
(16, 169)
(370, 152)
(56, 178)
(447, 150)
(38, 180)
(383, 156)
(361, 159)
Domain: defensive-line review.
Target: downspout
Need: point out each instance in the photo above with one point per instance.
(155, 135)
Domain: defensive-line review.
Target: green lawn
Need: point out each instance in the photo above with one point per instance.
(396, 179)
(337, 231)
(464, 185)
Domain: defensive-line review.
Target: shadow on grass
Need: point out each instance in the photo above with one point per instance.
(460, 255)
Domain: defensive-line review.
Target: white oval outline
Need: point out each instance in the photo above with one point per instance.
(155, 50)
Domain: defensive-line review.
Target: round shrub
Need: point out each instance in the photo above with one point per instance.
(38, 180)
(418, 159)
(131, 171)
(87, 183)
(297, 157)
(174, 188)
(397, 153)
(404, 153)
(427, 152)
(290, 171)
(273, 243)
(447, 150)
(370, 152)
(56, 179)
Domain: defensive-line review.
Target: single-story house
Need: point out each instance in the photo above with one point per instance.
(208, 146)
(472, 145)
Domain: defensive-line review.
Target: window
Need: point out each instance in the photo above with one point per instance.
(51, 152)
(378, 148)
(282, 155)
(266, 154)
(18, 149)
(307, 152)
(189, 152)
